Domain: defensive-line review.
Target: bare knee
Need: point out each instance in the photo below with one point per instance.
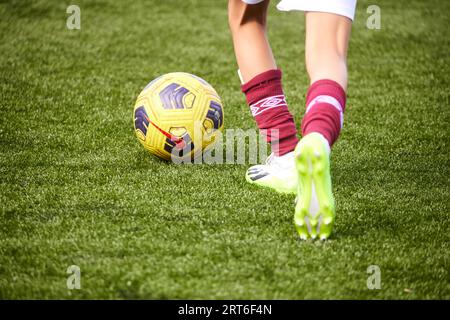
(241, 14)
(326, 60)
(327, 37)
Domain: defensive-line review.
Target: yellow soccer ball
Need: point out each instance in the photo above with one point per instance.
(177, 116)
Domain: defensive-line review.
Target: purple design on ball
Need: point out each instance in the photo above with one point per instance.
(172, 96)
(215, 114)
(141, 120)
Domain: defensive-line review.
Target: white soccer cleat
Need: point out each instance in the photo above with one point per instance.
(278, 173)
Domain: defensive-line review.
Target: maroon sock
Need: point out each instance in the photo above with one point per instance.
(269, 108)
(325, 106)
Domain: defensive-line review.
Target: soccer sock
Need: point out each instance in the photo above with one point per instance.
(268, 105)
(325, 106)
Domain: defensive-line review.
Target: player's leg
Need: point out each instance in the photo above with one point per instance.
(248, 23)
(327, 37)
(262, 87)
(326, 44)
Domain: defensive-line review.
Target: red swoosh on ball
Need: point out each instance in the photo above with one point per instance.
(179, 142)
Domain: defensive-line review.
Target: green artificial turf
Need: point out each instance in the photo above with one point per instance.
(77, 188)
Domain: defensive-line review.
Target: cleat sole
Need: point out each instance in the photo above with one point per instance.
(313, 169)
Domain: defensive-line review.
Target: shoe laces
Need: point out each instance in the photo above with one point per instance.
(270, 159)
(275, 162)
(279, 162)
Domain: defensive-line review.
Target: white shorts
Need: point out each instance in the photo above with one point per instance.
(344, 8)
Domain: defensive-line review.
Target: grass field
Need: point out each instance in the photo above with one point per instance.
(76, 187)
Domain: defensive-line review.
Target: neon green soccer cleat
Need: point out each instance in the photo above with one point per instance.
(278, 173)
(314, 210)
